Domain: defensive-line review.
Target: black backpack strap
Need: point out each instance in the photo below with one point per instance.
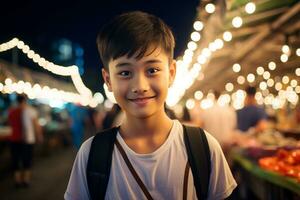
(199, 158)
(99, 162)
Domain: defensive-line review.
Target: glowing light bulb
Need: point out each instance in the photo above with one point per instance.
(198, 95)
(227, 36)
(250, 78)
(198, 25)
(210, 8)
(241, 80)
(236, 67)
(272, 65)
(195, 36)
(229, 87)
(237, 22)
(284, 58)
(260, 70)
(250, 8)
(192, 45)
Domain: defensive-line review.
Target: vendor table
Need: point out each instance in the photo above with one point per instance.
(262, 183)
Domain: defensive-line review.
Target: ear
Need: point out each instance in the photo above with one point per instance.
(172, 72)
(106, 78)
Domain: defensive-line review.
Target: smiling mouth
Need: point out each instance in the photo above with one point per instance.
(141, 101)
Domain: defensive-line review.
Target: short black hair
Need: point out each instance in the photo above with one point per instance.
(131, 33)
(250, 90)
(21, 98)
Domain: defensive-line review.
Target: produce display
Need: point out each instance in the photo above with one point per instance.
(275, 139)
(285, 162)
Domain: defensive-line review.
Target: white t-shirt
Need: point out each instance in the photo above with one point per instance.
(162, 171)
(28, 115)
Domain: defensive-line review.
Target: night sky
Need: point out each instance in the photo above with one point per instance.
(39, 23)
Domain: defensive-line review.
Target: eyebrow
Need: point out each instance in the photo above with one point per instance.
(123, 64)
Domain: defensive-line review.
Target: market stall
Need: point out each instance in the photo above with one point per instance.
(263, 183)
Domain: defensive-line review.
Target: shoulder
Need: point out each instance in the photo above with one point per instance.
(83, 154)
(77, 187)
(86, 145)
(221, 182)
(216, 152)
(84, 150)
(213, 144)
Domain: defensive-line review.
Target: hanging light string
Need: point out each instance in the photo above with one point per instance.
(55, 69)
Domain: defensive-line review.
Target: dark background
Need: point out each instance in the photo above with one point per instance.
(40, 23)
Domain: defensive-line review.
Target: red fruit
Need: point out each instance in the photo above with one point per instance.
(282, 153)
(296, 155)
(290, 160)
(267, 162)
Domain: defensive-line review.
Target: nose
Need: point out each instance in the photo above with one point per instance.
(140, 84)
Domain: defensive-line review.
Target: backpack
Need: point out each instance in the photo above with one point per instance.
(100, 158)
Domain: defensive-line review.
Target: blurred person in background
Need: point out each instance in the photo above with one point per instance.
(220, 121)
(78, 118)
(186, 117)
(98, 117)
(114, 117)
(251, 115)
(25, 132)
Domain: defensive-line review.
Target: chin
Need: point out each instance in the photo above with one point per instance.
(142, 114)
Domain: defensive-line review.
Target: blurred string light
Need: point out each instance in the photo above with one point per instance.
(250, 78)
(263, 85)
(194, 60)
(206, 103)
(198, 25)
(84, 97)
(190, 104)
(56, 96)
(224, 99)
(210, 8)
(189, 72)
(109, 94)
(289, 94)
(266, 75)
(278, 86)
(272, 65)
(284, 58)
(286, 52)
(285, 79)
(227, 36)
(229, 87)
(297, 71)
(185, 77)
(198, 95)
(240, 80)
(250, 8)
(236, 67)
(237, 22)
(285, 49)
(260, 70)
(270, 82)
(195, 36)
(42, 62)
(298, 52)
(294, 83)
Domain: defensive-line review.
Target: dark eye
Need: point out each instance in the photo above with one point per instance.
(152, 70)
(124, 73)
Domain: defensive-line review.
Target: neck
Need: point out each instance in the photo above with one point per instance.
(250, 101)
(146, 127)
(147, 134)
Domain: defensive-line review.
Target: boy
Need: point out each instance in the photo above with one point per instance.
(137, 53)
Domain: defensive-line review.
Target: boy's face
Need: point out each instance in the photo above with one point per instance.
(141, 86)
